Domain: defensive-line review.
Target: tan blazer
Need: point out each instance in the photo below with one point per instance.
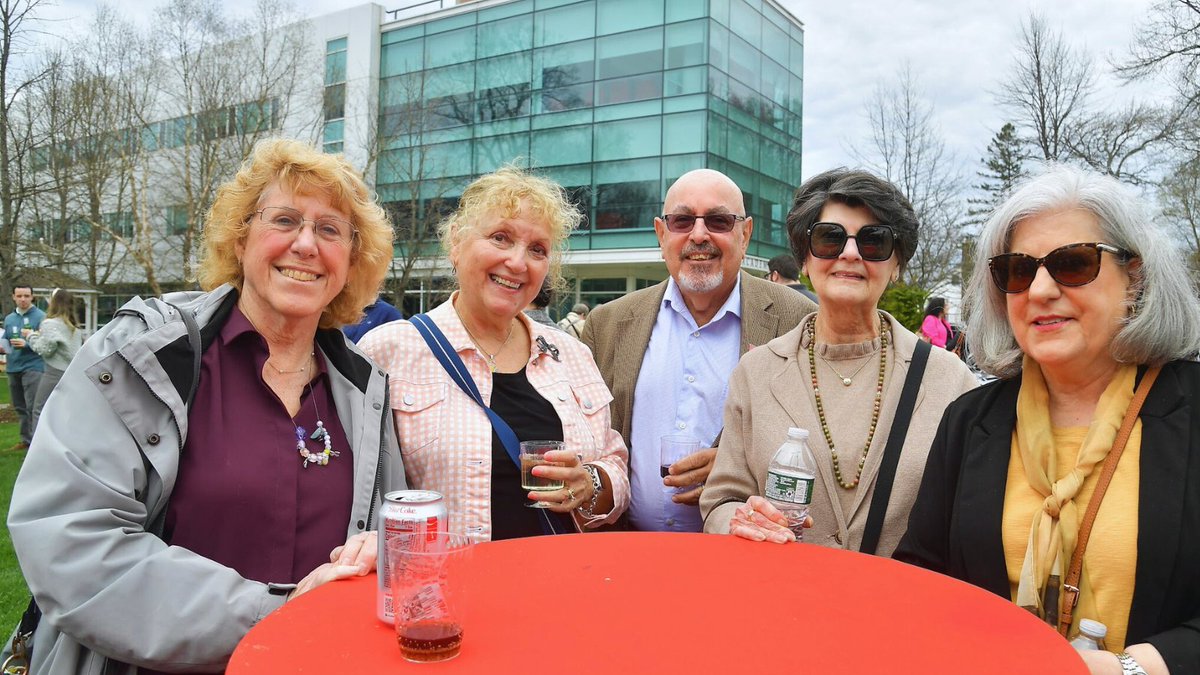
(618, 333)
(770, 390)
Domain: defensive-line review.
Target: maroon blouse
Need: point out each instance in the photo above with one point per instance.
(242, 498)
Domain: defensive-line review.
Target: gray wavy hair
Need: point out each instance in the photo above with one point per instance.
(1164, 318)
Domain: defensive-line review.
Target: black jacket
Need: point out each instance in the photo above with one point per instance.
(954, 527)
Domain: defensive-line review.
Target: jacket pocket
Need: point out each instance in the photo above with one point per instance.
(418, 407)
(592, 401)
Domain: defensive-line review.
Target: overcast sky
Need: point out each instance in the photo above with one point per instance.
(958, 50)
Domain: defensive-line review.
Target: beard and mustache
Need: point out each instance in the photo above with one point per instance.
(696, 280)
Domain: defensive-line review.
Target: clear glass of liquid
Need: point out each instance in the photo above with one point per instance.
(533, 453)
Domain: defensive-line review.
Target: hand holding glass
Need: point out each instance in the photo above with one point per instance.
(428, 591)
(533, 453)
(672, 449)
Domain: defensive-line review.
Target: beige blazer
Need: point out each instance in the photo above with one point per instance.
(618, 333)
(770, 391)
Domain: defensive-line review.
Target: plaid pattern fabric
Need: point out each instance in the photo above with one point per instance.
(446, 438)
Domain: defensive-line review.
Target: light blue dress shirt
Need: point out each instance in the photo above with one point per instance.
(680, 390)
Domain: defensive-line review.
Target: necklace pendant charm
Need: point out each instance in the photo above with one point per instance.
(846, 381)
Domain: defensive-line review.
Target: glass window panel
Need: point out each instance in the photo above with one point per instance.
(718, 46)
(335, 68)
(624, 90)
(501, 127)
(795, 94)
(493, 152)
(625, 111)
(745, 22)
(628, 139)
(335, 102)
(331, 148)
(743, 146)
(338, 45)
(551, 4)
(449, 81)
(718, 84)
(555, 147)
(402, 34)
(797, 62)
(454, 47)
(397, 93)
(718, 135)
(447, 159)
(334, 131)
(683, 132)
(566, 98)
(564, 65)
(775, 82)
(562, 119)
(503, 70)
(675, 166)
(775, 44)
(719, 10)
(450, 23)
(682, 103)
(402, 57)
(744, 61)
(504, 11)
(507, 35)
(682, 10)
(685, 44)
(627, 194)
(685, 81)
(615, 16)
(565, 24)
(629, 53)
(503, 102)
(775, 16)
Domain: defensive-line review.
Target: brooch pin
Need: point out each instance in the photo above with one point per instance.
(547, 348)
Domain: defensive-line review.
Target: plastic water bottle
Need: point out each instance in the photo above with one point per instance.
(790, 479)
(1091, 636)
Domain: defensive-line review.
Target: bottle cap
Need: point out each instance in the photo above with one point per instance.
(1093, 629)
(797, 434)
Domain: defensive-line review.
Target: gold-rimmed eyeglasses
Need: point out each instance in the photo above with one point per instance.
(329, 229)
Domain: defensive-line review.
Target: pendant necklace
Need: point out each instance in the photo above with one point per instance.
(322, 434)
(491, 358)
(846, 381)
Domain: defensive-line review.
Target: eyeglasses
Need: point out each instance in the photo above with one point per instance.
(290, 221)
(715, 222)
(876, 243)
(1070, 265)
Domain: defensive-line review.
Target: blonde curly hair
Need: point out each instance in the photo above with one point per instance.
(304, 171)
(501, 194)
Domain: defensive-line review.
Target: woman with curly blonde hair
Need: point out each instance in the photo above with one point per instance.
(216, 453)
(505, 240)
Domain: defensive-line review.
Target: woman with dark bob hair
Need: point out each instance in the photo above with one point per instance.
(208, 456)
(839, 374)
(1078, 301)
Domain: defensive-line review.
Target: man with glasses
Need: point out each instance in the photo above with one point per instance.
(666, 352)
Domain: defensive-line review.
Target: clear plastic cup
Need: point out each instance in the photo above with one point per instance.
(429, 588)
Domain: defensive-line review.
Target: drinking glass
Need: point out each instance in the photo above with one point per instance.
(429, 585)
(672, 449)
(533, 454)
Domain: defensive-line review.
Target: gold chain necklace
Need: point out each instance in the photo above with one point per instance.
(491, 358)
(847, 381)
(884, 334)
(307, 362)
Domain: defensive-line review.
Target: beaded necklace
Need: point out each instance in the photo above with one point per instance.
(884, 335)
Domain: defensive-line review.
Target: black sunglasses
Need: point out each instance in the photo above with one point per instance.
(715, 222)
(1070, 265)
(875, 242)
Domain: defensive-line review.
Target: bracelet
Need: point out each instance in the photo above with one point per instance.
(1129, 665)
(597, 487)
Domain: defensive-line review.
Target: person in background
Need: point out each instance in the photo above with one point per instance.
(1075, 294)
(782, 269)
(24, 366)
(666, 351)
(935, 329)
(575, 320)
(375, 314)
(505, 240)
(537, 307)
(840, 374)
(56, 341)
(158, 515)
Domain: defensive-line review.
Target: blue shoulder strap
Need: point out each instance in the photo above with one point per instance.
(444, 351)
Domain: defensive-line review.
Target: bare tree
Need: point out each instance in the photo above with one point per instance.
(1048, 88)
(1127, 144)
(906, 147)
(1169, 41)
(1179, 197)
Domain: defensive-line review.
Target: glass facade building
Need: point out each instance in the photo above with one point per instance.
(613, 99)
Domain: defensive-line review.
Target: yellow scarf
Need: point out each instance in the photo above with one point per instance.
(1053, 532)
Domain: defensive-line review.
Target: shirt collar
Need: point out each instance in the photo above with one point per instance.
(673, 299)
(239, 329)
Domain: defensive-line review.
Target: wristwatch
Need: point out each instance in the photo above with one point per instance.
(1129, 666)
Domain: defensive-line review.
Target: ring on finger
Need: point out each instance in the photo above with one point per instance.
(570, 494)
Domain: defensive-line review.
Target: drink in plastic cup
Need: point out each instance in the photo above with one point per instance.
(428, 589)
(533, 454)
(674, 448)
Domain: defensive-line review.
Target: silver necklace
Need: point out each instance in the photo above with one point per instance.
(846, 380)
(491, 358)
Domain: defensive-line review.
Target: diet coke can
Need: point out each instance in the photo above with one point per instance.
(404, 512)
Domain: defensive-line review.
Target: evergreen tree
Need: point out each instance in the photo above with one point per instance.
(1004, 166)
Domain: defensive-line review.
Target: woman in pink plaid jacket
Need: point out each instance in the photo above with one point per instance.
(506, 237)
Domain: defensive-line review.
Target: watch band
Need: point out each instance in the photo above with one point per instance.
(1130, 666)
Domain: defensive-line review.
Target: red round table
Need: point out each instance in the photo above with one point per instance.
(676, 603)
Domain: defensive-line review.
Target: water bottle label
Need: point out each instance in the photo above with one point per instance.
(792, 489)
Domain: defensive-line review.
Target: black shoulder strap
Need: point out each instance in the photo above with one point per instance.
(891, 452)
(193, 330)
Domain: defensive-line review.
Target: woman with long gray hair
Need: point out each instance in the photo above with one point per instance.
(1082, 306)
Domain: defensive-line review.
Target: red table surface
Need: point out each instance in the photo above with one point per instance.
(676, 603)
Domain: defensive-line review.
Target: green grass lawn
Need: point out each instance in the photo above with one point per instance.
(14, 596)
